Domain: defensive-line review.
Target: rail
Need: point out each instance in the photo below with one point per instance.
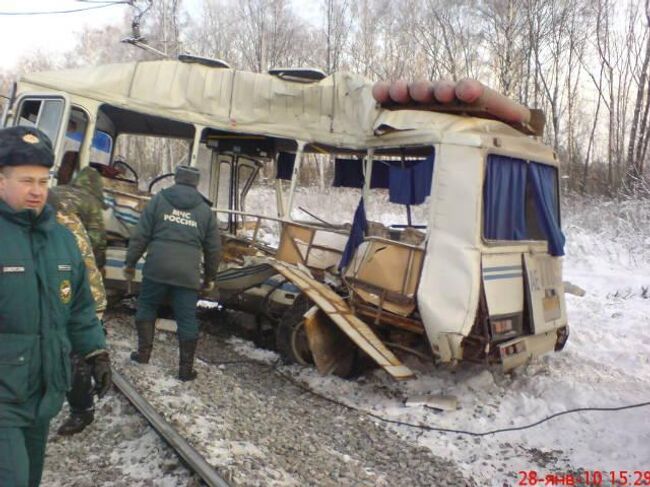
(193, 458)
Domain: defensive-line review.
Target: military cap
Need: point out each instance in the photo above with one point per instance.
(25, 146)
(187, 175)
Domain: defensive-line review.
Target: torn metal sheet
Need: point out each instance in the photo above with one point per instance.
(332, 350)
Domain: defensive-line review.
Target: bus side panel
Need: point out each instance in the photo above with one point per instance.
(449, 286)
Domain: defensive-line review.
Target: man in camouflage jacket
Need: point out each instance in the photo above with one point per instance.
(79, 208)
(84, 197)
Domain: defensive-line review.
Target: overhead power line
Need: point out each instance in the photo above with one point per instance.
(68, 11)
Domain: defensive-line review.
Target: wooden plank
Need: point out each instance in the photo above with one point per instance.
(339, 312)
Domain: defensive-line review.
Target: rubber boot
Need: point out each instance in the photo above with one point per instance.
(187, 350)
(76, 423)
(145, 340)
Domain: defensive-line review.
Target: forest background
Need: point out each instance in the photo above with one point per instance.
(586, 63)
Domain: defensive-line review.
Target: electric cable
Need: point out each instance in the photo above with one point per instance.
(94, 7)
(275, 367)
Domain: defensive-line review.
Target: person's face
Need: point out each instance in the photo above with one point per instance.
(24, 187)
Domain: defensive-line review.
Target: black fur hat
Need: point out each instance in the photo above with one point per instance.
(25, 146)
(187, 175)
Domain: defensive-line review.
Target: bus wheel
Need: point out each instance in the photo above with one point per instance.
(293, 345)
(291, 337)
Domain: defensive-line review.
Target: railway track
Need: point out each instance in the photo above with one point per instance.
(240, 423)
(192, 458)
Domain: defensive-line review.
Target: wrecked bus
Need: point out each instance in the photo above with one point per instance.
(477, 278)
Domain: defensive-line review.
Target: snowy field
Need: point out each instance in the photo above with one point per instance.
(606, 363)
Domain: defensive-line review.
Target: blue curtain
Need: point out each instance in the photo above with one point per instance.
(422, 176)
(348, 173)
(380, 174)
(357, 233)
(543, 182)
(286, 160)
(504, 199)
(411, 184)
(408, 185)
(102, 141)
(400, 183)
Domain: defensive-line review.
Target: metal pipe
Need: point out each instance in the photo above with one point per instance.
(294, 178)
(368, 165)
(315, 217)
(196, 144)
(233, 212)
(193, 458)
(10, 101)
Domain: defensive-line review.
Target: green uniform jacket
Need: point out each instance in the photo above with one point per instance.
(46, 311)
(176, 229)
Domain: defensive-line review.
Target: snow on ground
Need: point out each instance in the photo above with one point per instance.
(606, 363)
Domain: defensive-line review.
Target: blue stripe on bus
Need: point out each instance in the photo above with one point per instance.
(286, 286)
(493, 277)
(126, 217)
(502, 268)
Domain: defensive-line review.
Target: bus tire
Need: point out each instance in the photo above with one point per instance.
(290, 335)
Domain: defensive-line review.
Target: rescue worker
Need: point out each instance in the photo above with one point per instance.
(46, 308)
(176, 228)
(79, 208)
(85, 198)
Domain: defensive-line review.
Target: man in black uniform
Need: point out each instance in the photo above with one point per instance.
(176, 229)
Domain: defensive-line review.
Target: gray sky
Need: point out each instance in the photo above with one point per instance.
(21, 36)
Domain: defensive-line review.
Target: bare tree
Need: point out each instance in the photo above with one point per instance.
(364, 49)
(505, 28)
(447, 38)
(338, 21)
(269, 35)
(585, 62)
(212, 34)
(163, 24)
(638, 141)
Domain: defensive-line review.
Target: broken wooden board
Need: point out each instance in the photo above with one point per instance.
(341, 314)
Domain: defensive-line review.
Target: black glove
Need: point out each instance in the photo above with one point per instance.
(100, 365)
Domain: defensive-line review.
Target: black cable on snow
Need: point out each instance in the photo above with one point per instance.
(275, 368)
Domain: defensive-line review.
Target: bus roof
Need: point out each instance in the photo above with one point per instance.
(338, 110)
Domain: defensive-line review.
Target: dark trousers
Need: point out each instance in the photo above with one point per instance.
(183, 302)
(22, 453)
(80, 395)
